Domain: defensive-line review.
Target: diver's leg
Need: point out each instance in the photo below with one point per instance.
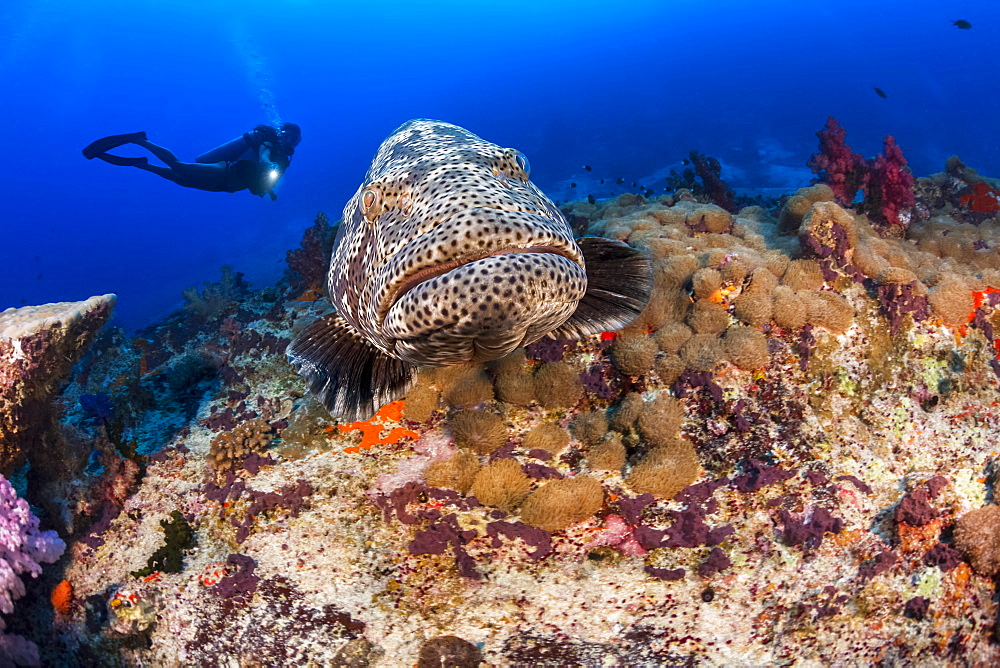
(160, 170)
(163, 154)
(120, 161)
(210, 176)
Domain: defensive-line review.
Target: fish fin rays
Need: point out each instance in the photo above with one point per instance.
(352, 377)
(619, 282)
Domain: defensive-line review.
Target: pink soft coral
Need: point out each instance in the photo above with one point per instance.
(22, 547)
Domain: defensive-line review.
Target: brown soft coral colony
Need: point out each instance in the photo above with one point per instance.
(230, 448)
(502, 484)
(665, 470)
(478, 430)
(977, 535)
(457, 472)
(560, 503)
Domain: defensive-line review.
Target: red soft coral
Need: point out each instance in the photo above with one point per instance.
(837, 165)
(889, 190)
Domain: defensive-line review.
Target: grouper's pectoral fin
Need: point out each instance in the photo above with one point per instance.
(345, 371)
(619, 280)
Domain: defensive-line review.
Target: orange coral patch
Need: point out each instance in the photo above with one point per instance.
(979, 297)
(62, 597)
(312, 293)
(371, 430)
(981, 199)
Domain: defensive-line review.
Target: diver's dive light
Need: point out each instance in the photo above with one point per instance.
(274, 175)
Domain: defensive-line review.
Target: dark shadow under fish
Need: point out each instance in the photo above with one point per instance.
(448, 254)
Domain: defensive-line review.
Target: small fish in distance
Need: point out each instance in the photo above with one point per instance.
(961, 24)
(448, 254)
(881, 93)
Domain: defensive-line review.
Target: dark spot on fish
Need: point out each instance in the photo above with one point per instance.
(588, 168)
(961, 24)
(881, 93)
(620, 181)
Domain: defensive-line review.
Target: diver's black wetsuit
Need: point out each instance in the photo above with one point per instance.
(254, 161)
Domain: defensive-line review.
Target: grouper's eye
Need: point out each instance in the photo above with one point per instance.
(367, 200)
(372, 204)
(522, 164)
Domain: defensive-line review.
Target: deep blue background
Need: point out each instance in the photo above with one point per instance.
(628, 87)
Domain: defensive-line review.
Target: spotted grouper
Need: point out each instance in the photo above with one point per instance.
(448, 254)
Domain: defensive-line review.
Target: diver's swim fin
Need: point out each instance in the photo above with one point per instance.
(98, 146)
(120, 161)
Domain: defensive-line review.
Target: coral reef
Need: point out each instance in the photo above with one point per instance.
(788, 458)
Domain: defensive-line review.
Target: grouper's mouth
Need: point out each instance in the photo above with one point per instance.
(428, 273)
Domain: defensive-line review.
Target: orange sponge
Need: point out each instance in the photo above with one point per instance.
(62, 597)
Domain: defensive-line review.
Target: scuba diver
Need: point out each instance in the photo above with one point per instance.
(254, 161)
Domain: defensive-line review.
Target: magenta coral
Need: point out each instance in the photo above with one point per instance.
(889, 190)
(710, 172)
(837, 165)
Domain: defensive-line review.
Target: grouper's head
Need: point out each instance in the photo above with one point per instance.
(449, 254)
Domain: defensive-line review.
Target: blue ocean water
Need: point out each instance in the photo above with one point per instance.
(627, 88)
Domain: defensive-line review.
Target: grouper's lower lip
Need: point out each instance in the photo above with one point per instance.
(432, 272)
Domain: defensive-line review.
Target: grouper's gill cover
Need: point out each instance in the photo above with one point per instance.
(448, 254)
